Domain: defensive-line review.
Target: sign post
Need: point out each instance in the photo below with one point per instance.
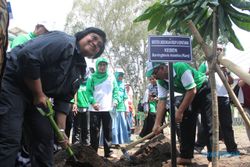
(170, 49)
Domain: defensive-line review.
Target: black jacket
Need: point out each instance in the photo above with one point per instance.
(55, 59)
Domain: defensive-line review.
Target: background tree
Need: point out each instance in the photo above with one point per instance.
(4, 23)
(206, 20)
(127, 41)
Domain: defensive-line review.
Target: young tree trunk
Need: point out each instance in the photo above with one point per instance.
(215, 115)
(4, 23)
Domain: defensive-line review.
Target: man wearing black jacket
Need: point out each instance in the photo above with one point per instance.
(49, 66)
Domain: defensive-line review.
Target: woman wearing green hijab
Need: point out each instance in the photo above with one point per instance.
(119, 127)
(102, 92)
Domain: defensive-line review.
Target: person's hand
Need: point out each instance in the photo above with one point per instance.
(65, 142)
(40, 100)
(114, 104)
(96, 106)
(178, 116)
(75, 109)
(156, 129)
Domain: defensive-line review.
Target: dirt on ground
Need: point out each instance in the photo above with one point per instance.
(155, 153)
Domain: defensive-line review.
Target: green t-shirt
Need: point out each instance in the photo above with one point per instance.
(152, 106)
(203, 68)
(21, 39)
(186, 77)
(82, 100)
(122, 96)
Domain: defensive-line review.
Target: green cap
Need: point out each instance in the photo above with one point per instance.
(151, 66)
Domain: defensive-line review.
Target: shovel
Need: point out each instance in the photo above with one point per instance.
(133, 144)
(49, 113)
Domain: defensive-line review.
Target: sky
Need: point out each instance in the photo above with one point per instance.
(52, 13)
(241, 58)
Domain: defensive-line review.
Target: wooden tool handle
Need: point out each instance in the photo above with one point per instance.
(128, 147)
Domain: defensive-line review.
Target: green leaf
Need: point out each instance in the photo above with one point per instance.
(237, 15)
(198, 4)
(173, 23)
(155, 20)
(213, 2)
(191, 15)
(179, 3)
(240, 24)
(221, 19)
(163, 24)
(204, 4)
(231, 36)
(206, 28)
(200, 16)
(149, 12)
(241, 4)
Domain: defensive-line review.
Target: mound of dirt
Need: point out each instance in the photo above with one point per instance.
(86, 156)
(152, 153)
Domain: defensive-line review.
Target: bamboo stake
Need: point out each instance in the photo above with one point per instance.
(235, 68)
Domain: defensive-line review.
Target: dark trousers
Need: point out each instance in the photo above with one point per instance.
(13, 105)
(148, 124)
(81, 127)
(202, 103)
(96, 118)
(226, 129)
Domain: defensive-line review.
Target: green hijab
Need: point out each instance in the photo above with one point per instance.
(98, 77)
(117, 74)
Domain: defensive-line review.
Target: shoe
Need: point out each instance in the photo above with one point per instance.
(117, 146)
(184, 161)
(232, 154)
(111, 155)
(198, 149)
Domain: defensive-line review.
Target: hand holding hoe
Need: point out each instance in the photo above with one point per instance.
(49, 113)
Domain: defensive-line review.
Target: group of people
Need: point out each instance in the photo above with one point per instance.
(196, 100)
(51, 65)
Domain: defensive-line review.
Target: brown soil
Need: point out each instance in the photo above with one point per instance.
(156, 153)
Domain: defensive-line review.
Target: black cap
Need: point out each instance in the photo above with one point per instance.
(79, 35)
